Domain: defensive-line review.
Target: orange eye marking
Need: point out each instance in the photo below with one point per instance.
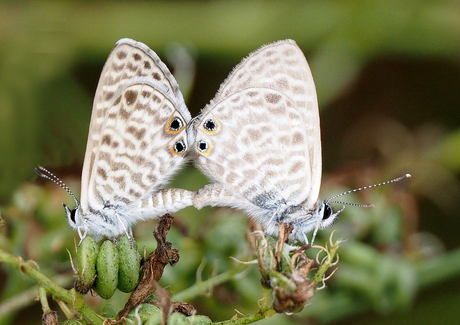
(174, 125)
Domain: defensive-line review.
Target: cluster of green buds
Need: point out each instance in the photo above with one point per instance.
(106, 266)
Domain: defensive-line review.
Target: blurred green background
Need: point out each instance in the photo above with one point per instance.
(387, 75)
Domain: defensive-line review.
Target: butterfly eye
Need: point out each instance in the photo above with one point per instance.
(72, 214)
(211, 126)
(179, 148)
(204, 147)
(327, 212)
(175, 125)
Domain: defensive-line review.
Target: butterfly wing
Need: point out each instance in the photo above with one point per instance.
(265, 148)
(137, 125)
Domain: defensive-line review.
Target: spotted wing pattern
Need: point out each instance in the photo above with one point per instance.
(137, 138)
(259, 138)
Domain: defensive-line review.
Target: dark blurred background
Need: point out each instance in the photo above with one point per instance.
(387, 75)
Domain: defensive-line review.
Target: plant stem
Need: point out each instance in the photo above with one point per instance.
(203, 286)
(43, 300)
(27, 297)
(71, 297)
(261, 314)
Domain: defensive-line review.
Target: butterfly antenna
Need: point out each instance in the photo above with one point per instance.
(45, 173)
(398, 179)
(353, 204)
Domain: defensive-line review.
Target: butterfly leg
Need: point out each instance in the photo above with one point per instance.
(82, 233)
(128, 231)
(273, 216)
(306, 239)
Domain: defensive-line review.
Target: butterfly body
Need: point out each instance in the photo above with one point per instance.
(137, 141)
(111, 221)
(259, 140)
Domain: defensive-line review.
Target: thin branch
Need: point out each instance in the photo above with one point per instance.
(248, 319)
(71, 297)
(27, 297)
(202, 287)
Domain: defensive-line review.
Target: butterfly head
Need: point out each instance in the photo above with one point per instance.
(76, 220)
(327, 214)
(306, 220)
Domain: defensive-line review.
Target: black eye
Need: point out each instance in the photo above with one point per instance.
(180, 146)
(327, 211)
(202, 146)
(72, 214)
(176, 124)
(210, 125)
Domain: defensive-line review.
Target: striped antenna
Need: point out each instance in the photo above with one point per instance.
(398, 179)
(45, 173)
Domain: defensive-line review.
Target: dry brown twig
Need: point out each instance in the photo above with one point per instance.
(152, 270)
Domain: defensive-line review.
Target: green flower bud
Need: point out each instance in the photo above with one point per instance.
(129, 267)
(107, 270)
(86, 259)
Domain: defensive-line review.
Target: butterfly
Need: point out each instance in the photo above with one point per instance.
(137, 141)
(259, 141)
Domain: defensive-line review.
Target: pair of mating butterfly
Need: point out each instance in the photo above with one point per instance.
(258, 140)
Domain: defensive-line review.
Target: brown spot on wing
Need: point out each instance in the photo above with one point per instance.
(297, 138)
(121, 54)
(138, 134)
(117, 101)
(106, 139)
(231, 178)
(131, 67)
(124, 113)
(254, 134)
(296, 167)
(130, 97)
(108, 95)
(129, 144)
(102, 173)
(120, 181)
(272, 98)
